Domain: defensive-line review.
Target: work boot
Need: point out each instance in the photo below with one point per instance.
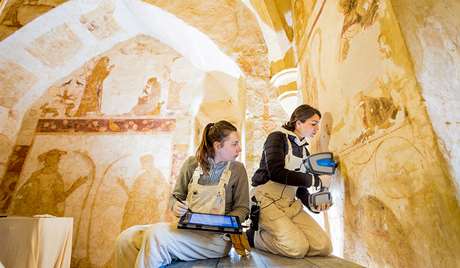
(240, 244)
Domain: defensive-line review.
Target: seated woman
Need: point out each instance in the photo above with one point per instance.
(284, 227)
(209, 182)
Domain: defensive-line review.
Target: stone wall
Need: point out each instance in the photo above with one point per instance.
(431, 32)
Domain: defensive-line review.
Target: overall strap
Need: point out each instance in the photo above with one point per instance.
(196, 175)
(289, 152)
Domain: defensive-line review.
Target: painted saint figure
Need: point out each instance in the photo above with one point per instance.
(149, 102)
(91, 101)
(44, 192)
(147, 197)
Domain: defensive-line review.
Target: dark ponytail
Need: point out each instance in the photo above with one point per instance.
(212, 132)
(301, 113)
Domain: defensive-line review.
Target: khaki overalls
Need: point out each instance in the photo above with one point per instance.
(284, 227)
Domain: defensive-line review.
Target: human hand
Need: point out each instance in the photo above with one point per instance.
(180, 207)
(323, 207)
(326, 180)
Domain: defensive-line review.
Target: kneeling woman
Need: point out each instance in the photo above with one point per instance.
(281, 186)
(209, 182)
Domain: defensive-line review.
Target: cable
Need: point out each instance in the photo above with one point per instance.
(285, 181)
(281, 195)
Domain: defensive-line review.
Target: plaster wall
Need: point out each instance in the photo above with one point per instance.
(104, 142)
(431, 33)
(106, 183)
(101, 145)
(396, 202)
(98, 109)
(58, 42)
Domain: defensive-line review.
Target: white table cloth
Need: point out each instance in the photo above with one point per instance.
(31, 242)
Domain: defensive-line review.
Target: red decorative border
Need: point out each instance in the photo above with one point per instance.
(105, 125)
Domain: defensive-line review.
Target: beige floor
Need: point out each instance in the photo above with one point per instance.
(262, 259)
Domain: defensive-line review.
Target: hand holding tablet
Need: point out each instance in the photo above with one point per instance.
(210, 222)
(180, 207)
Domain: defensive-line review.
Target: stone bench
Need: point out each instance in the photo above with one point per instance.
(259, 258)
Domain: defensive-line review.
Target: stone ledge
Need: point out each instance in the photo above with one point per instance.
(259, 258)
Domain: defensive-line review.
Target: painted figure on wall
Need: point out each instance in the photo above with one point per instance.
(376, 113)
(358, 15)
(149, 102)
(17, 13)
(44, 192)
(300, 16)
(373, 218)
(47, 111)
(67, 100)
(91, 100)
(147, 197)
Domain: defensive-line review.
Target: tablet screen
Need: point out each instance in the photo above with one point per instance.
(213, 220)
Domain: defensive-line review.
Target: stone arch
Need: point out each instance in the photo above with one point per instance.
(57, 42)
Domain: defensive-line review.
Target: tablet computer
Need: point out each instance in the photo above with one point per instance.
(210, 222)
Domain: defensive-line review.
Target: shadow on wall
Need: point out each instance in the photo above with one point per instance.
(11, 177)
(384, 239)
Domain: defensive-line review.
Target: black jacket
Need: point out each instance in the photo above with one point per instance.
(272, 166)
